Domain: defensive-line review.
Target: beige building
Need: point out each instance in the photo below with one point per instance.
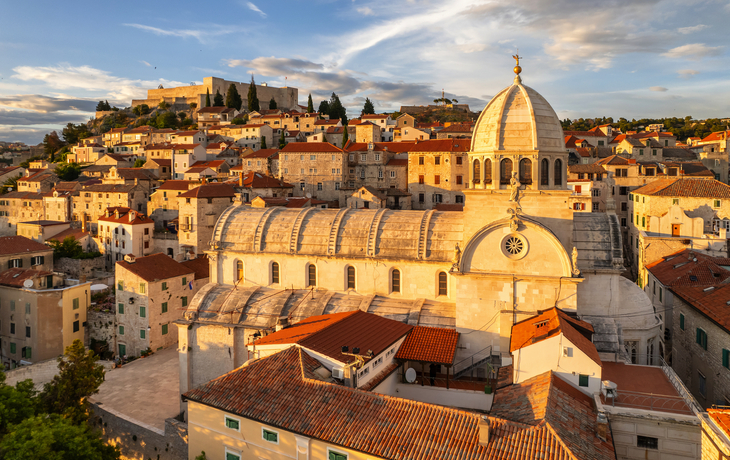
(38, 182)
(39, 315)
(315, 169)
(114, 136)
(163, 204)
(438, 172)
(92, 202)
(123, 231)
(151, 293)
(198, 211)
(42, 230)
(86, 153)
(251, 135)
(211, 116)
(19, 207)
(22, 252)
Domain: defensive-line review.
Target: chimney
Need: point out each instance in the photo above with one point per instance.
(483, 431)
(83, 224)
(601, 426)
(240, 179)
(130, 258)
(282, 323)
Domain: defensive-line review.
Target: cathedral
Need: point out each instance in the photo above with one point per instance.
(516, 249)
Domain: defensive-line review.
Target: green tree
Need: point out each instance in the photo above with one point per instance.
(69, 247)
(142, 109)
(345, 137)
(282, 140)
(68, 171)
(233, 99)
(167, 120)
(79, 377)
(182, 115)
(163, 105)
(193, 105)
(368, 108)
(52, 143)
(138, 163)
(336, 110)
(103, 106)
(10, 183)
(310, 105)
(201, 456)
(253, 99)
(238, 121)
(324, 108)
(54, 438)
(73, 133)
(272, 103)
(17, 403)
(218, 99)
(207, 97)
(263, 142)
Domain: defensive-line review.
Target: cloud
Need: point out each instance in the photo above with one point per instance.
(471, 47)
(686, 74)
(689, 30)
(46, 104)
(24, 118)
(202, 35)
(660, 89)
(146, 63)
(29, 135)
(365, 11)
(255, 8)
(101, 84)
(693, 51)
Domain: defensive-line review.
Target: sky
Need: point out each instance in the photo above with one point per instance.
(618, 58)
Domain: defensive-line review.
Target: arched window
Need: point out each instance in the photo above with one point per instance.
(395, 280)
(558, 174)
(443, 284)
(505, 171)
(525, 171)
(312, 275)
(477, 173)
(544, 172)
(275, 273)
(350, 277)
(239, 270)
(487, 171)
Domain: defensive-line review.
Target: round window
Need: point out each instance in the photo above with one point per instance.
(514, 246)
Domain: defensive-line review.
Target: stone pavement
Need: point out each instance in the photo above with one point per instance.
(147, 389)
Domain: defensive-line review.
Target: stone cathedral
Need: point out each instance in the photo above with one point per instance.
(516, 248)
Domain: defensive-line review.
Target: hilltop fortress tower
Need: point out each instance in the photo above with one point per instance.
(286, 98)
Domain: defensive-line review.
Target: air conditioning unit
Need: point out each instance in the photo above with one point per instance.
(338, 373)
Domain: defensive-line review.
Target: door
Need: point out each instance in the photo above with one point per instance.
(122, 350)
(675, 229)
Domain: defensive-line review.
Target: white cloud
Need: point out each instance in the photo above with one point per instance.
(146, 63)
(693, 51)
(471, 47)
(365, 11)
(45, 104)
(202, 35)
(689, 30)
(659, 89)
(687, 73)
(25, 118)
(256, 9)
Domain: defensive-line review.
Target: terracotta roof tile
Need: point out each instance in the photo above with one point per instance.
(711, 301)
(254, 179)
(263, 153)
(15, 276)
(200, 266)
(589, 168)
(689, 268)
(429, 345)
(156, 267)
(696, 188)
(302, 329)
(20, 245)
(310, 147)
(136, 218)
(210, 191)
(75, 233)
(176, 185)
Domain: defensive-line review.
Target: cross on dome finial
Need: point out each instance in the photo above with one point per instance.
(517, 68)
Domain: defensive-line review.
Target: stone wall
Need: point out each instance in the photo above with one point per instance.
(101, 326)
(138, 441)
(77, 268)
(40, 373)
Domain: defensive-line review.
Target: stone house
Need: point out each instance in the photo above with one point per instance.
(199, 210)
(38, 182)
(42, 230)
(151, 293)
(124, 231)
(22, 252)
(18, 207)
(209, 116)
(92, 202)
(57, 204)
(587, 181)
(127, 148)
(184, 156)
(369, 198)
(263, 161)
(438, 172)
(160, 168)
(113, 136)
(456, 131)
(190, 137)
(316, 169)
(251, 135)
(39, 315)
(117, 159)
(163, 205)
(401, 134)
(86, 153)
(139, 135)
(254, 184)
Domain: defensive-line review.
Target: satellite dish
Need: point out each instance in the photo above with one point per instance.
(28, 283)
(309, 195)
(411, 375)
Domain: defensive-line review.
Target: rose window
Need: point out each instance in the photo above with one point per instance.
(514, 245)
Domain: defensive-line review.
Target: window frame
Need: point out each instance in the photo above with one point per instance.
(267, 430)
(311, 273)
(275, 273)
(681, 321)
(164, 329)
(439, 291)
(333, 454)
(583, 380)
(648, 442)
(701, 338)
(227, 418)
(396, 287)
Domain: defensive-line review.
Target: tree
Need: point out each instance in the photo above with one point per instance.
(233, 99)
(167, 120)
(336, 110)
(103, 106)
(282, 140)
(253, 99)
(68, 171)
(16, 402)
(142, 109)
(182, 115)
(272, 103)
(218, 99)
(263, 142)
(163, 105)
(368, 108)
(324, 107)
(69, 247)
(201, 456)
(193, 105)
(53, 437)
(310, 105)
(345, 138)
(138, 163)
(238, 121)
(73, 133)
(79, 377)
(52, 143)
(207, 97)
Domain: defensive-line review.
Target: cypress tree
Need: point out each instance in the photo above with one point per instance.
(218, 99)
(233, 99)
(207, 97)
(282, 140)
(368, 108)
(253, 99)
(310, 104)
(263, 142)
(272, 103)
(345, 138)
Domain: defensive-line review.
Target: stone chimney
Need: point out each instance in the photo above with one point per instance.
(601, 426)
(130, 258)
(483, 431)
(282, 323)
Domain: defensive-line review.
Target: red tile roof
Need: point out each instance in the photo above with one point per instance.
(200, 266)
(15, 276)
(156, 267)
(430, 345)
(616, 160)
(210, 191)
(458, 128)
(310, 147)
(721, 417)
(20, 245)
(75, 233)
(126, 216)
(257, 180)
(696, 188)
(283, 390)
(550, 324)
(689, 268)
(451, 207)
(262, 153)
(302, 329)
(176, 185)
(710, 301)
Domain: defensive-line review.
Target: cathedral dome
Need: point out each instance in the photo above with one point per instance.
(518, 119)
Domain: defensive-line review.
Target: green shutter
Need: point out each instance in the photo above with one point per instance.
(582, 380)
(232, 423)
(12, 348)
(164, 329)
(270, 436)
(28, 353)
(726, 358)
(698, 338)
(230, 456)
(184, 281)
(184, 301)
(121, 308)
(142, 312)
(681, 321)
(164, 307)
(120, 286)
(337, 456)
(121, 330)
(141, 333)
(164, 285)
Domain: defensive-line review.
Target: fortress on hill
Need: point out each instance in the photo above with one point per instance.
(286, 98)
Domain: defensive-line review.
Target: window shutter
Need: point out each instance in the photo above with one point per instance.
(725, 358)
(20, 263)
(41, 260)
(10, 264)
(698, 339)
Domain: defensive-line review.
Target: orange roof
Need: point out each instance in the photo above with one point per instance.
(549, 324)
(156, 267)
(430, 345)
(210, 191)
(257, 180)
(689, 268)
(696, 188)
(721, 417)
(126, 216)
(313, 147)
(302, 329)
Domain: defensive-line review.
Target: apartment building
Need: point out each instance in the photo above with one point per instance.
(316, 169)
(438, 171)
(163, 205)
(113, 136)
(264, 161)
(250, 135)
(18, 207)
(123, 231)
(198, 211)
(92, 202)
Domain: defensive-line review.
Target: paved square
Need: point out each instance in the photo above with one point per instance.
(147, 390)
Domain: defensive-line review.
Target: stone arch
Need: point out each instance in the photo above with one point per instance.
(505, 170)
(476, 172)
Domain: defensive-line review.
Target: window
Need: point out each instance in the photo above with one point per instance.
(27, 332)
(12, 328)
(702, 383)
(681, 321)
(350, 277)
(15, 263)
(421, 197)
(596, 192)
(26, 352)
(275, 273)
(184, 300)
(437, 198)
(505, 171)
(143, 288)
(319, 186)
(459, 180)
(27, 308)
(421, 179)
(726, 358)
(270, 436)
(12, 348)
(437, 179)
(232, 456)
(558, 173)
(120, 308)
(164, 307)
(660, 294)
(121, 330)
(392, 174)
(582, 380)
(437, 160)
(487, 171)
(395, 281)
(239, 270)
(476, 172)
(701, 338)
(142, 334)
(442, 284)
(164, 285)
(420, 160)
(312, 275)
(716, 203)
(164, 329)
(233, 423)
(647, 442)
(525, 171)
(334, 455)
(675, 201)
(142, 312)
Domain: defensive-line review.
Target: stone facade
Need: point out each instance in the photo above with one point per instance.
(79, 268)
(677, 439)
(91, 203)
(197, 219)
(315, 169)
(436, 177)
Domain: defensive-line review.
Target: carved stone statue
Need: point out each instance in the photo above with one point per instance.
(574, 256)
(515, 185)
(457, 258)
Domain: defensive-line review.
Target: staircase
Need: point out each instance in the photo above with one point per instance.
(259, 234)
(335, 230)
(423, 233)
(295, 229)
(373, 234)
(478, 359)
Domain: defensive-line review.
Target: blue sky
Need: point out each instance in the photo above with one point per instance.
(631, 58)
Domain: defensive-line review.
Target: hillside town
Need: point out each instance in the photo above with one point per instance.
(285, 282)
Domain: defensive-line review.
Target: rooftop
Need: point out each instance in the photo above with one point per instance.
(429, 345)
(690, 268)
(156, 267)
(200, 266)
(696, 188)
(15, 277)
(121, 215)
(20, 245)
(210, 191)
